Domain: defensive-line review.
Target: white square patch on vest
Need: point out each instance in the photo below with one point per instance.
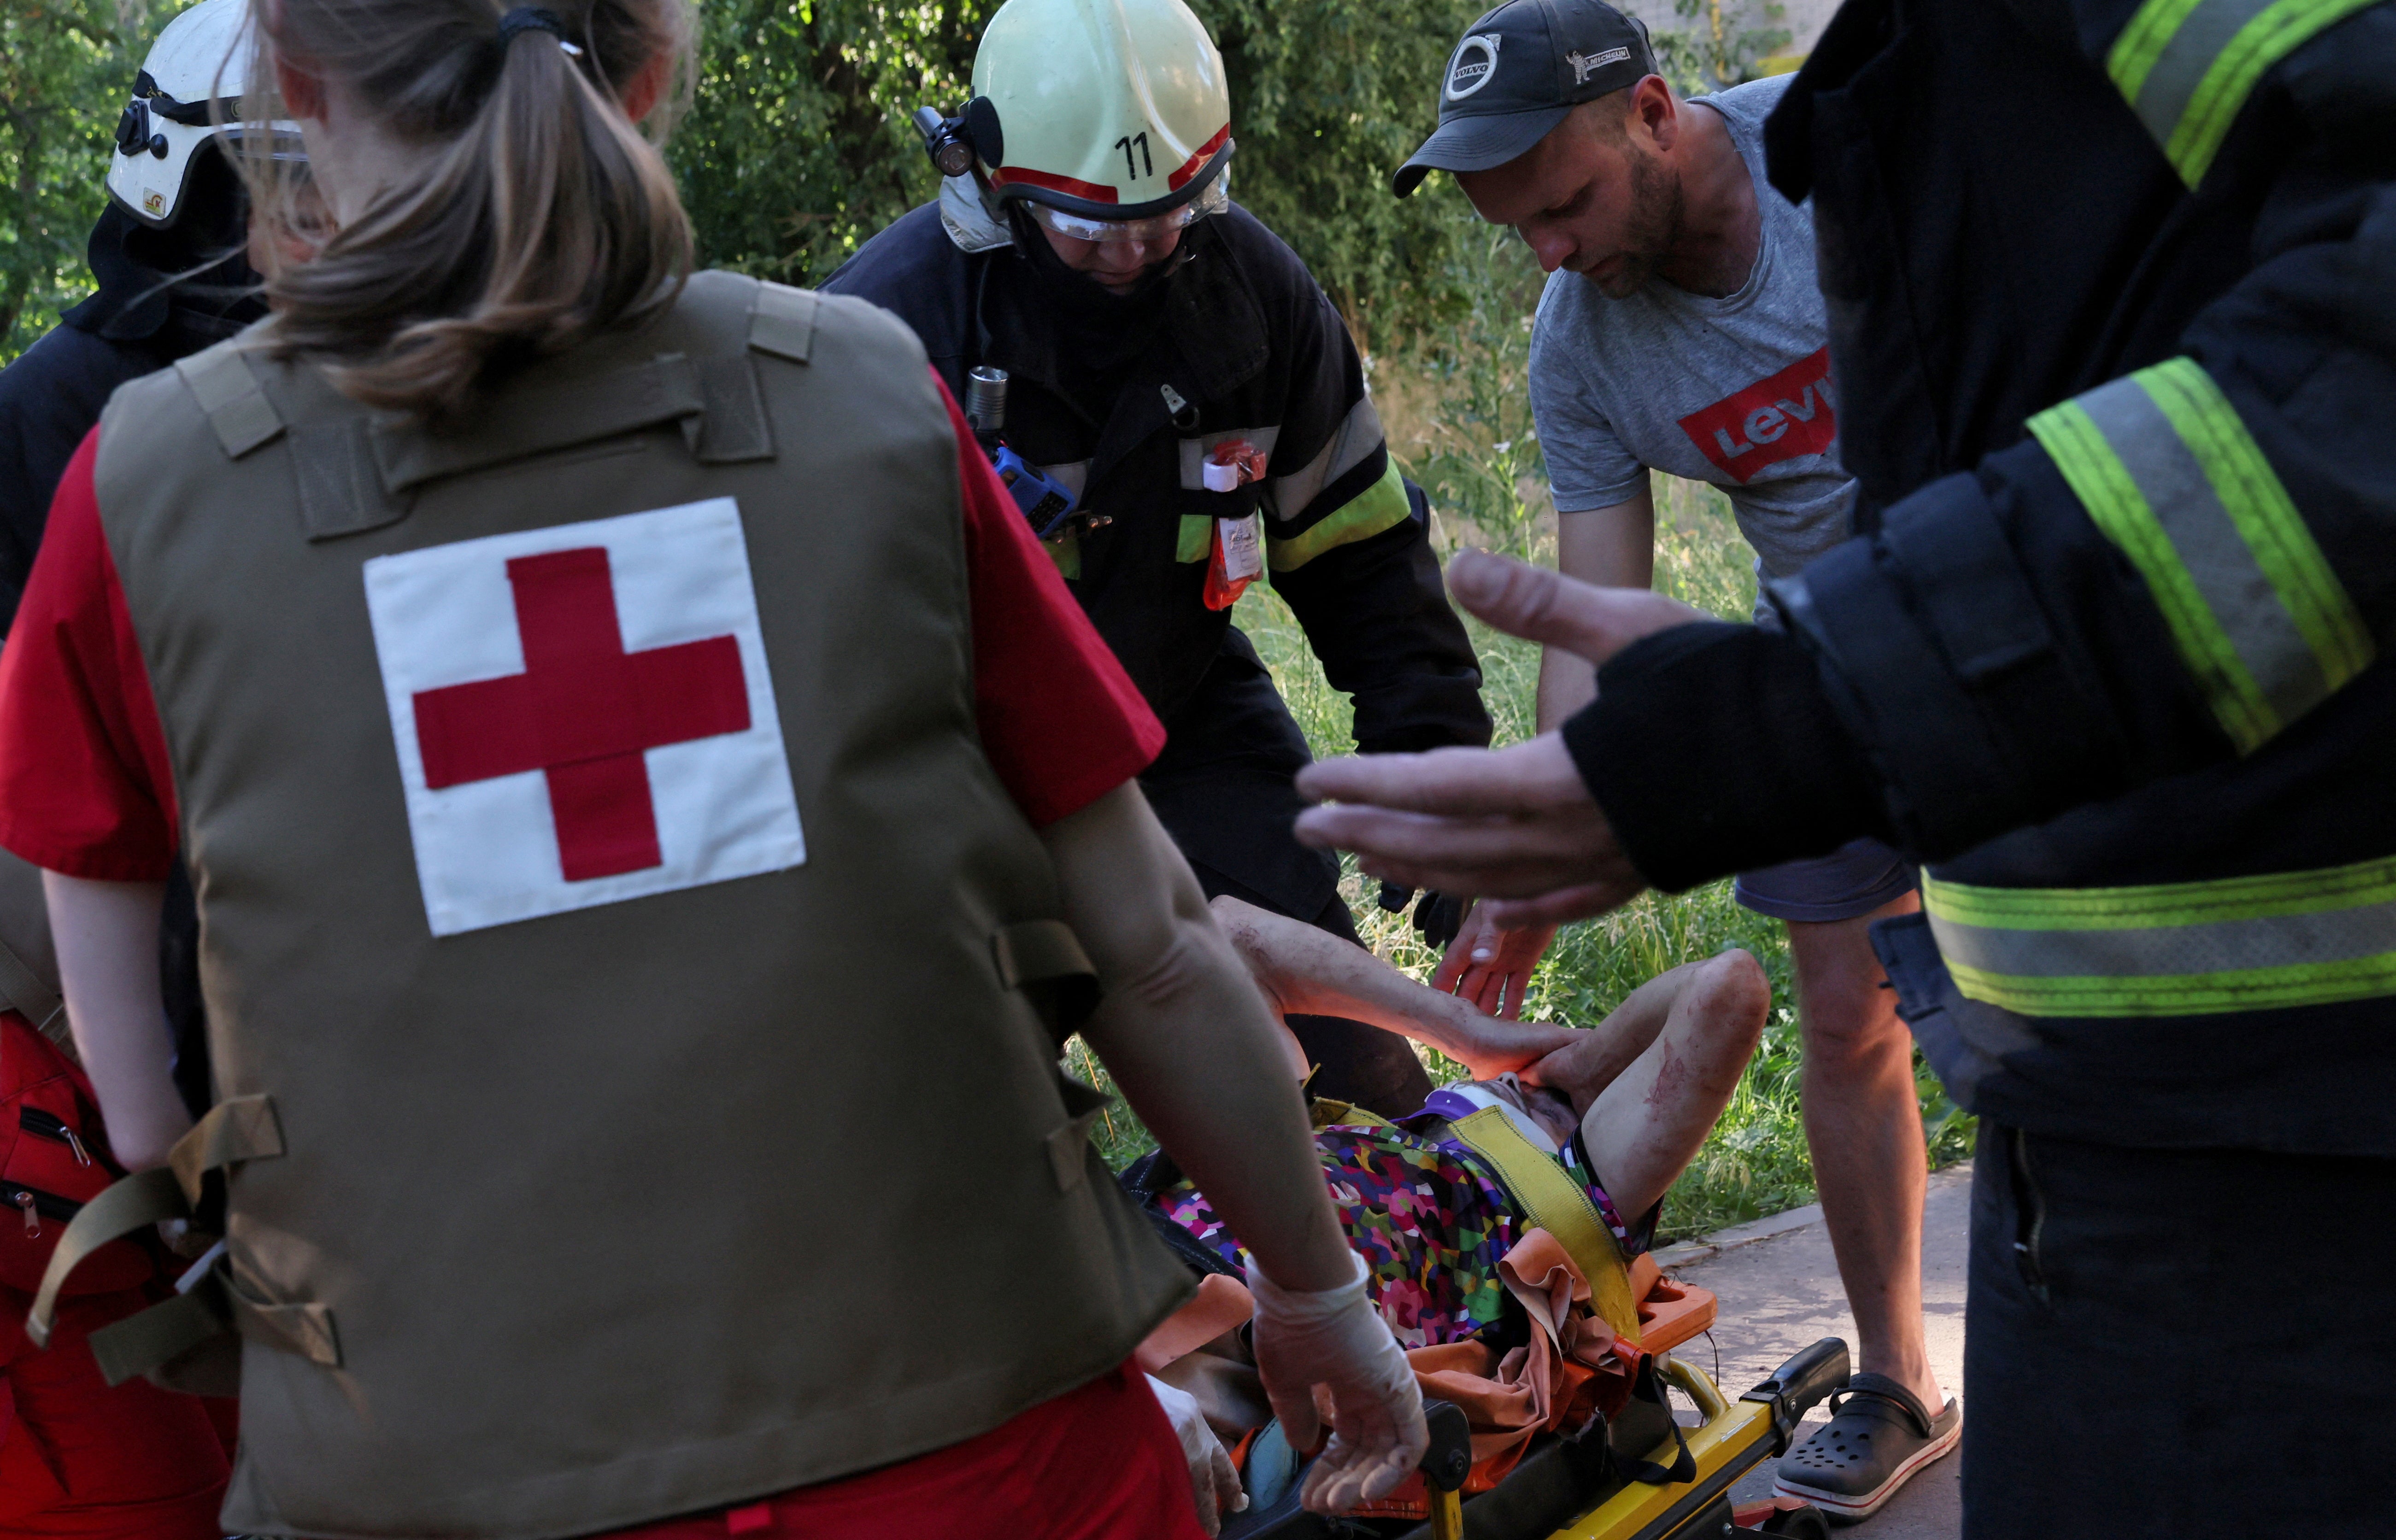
(583, 714)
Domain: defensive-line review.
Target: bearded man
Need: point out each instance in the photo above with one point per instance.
(1681, 331)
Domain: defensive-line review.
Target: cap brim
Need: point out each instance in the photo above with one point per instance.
(1477, 143)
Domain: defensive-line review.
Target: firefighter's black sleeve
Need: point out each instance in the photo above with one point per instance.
(50, 398)
(2028, 636)
(1348, 542)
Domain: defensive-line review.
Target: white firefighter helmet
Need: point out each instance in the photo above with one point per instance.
(203, 57)
(1109, 110)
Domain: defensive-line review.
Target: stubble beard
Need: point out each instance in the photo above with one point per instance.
(1653, 231)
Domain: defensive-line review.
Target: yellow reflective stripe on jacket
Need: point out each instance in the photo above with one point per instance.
(2171, 476)
(2178, 949)
(2188, 66)
(1380, 506)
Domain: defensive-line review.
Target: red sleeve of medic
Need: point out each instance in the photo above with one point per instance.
(84, 785)
(1061, 721)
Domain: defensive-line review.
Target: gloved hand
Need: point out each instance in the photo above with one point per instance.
(1436, 919)
(1213, 1485)
(1335, 1338)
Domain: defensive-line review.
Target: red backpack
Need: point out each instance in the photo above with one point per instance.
(54, 1159)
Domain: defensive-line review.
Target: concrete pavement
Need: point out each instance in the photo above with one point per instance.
(1779, 1291)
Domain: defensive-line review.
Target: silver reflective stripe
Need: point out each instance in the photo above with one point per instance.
(2222, 946)
(2269, 942)
(2209, 544)
(2187, 56)
(1195, 450)
(1349, 447)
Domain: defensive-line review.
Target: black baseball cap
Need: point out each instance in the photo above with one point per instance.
(1516, 73)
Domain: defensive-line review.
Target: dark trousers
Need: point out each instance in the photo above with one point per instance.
(1224, 789)
(2167, 1344)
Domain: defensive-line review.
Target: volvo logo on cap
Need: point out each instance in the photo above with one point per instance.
(1475, 62)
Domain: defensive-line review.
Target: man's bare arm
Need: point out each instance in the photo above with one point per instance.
(1611, 547)
(1310, 972)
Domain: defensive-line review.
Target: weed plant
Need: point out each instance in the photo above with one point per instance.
(1460, 421)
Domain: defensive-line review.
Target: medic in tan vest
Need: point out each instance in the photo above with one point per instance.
(615, 722)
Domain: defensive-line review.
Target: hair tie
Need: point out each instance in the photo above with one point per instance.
(533, 18)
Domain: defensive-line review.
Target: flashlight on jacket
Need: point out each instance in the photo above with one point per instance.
(1046, 502)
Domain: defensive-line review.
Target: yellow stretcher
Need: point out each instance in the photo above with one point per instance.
(1603, 1484)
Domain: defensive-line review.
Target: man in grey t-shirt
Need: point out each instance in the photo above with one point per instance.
(1682, 330)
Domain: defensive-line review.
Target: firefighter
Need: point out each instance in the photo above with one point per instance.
(78, 1453)
(615, 718)
(169, 256)
(2114, 317)
(1174, 370)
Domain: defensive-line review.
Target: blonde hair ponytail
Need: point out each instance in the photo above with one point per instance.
(539, 215)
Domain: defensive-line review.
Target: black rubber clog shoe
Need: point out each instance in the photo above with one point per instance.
(1878, 1436)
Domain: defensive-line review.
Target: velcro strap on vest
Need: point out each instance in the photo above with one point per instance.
(1037, 951)
(305, 1329)
(1044, 959)
(340, 482)
(22, 991)
(161, 1334)
(144, 1198)
(523, 423)
(1068, 1144)
(243, 1128)
(734, 427)
(238, 1129)
(221, 381)
(1556, 1203)
(782, 322)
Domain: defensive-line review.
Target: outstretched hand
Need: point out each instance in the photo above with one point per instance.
(1516, 824)
(1489, 968)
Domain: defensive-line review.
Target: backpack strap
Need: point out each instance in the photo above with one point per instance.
(1556, 1203)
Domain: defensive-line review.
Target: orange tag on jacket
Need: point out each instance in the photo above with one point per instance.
(1237, 560)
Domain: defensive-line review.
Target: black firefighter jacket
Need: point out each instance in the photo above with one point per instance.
(1254, 350)
(2111, 289)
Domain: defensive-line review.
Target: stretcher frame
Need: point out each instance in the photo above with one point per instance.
(1690, 1471)
(1735, 1437)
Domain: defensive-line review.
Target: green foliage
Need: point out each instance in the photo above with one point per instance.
(66, 67)
(797, 148)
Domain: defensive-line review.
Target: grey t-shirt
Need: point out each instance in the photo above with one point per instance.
(1736, 391)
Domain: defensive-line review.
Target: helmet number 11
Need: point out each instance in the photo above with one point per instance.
(1146, 167)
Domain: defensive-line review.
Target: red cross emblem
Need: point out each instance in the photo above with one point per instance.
(583, 713)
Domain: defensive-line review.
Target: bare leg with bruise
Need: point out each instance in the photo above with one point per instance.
(1643, 1124)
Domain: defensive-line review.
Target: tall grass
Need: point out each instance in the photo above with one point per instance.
(1460, 421)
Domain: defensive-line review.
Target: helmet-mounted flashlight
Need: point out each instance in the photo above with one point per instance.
(953, 142)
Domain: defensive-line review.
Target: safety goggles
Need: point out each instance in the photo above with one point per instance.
(1212, 199)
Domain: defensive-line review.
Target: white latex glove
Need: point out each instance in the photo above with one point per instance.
(1213, 1485)
(1336, 1339)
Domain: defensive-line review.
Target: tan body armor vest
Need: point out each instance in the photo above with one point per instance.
(621, 1209)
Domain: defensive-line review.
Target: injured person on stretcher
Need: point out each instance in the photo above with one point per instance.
(1469, 1213)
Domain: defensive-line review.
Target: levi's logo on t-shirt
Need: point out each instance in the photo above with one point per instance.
(1776, 418)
